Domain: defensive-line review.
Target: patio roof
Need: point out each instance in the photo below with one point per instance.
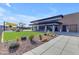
(53, 22)
(49, 18)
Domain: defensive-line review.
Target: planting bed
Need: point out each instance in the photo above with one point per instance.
(25, 44)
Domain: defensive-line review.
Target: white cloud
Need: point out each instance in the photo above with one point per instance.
(51, 12)
(8, 4)
(25, 19)
(1, 14)
(9, 18)
(2, 10)
(54, 10)
(16, 18)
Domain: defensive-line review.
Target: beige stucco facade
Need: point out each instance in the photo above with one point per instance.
(72, 20)
(62, 23)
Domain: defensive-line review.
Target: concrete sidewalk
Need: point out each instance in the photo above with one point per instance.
(62, 45)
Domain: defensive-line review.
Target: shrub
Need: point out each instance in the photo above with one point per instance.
(40, 36)
(52, 34)
(45, 34)
(31, 37)
(17, 39)
(13, 47)
(48, 32)
(23, 38)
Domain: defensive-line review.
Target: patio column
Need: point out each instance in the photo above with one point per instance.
(37, 27)
(33, 28)
(53, 28)
(45, 29)
(60, 29)
(67, 29)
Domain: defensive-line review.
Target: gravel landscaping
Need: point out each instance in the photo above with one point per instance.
(24, 45)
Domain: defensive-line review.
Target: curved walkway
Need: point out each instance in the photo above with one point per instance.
(62, 45)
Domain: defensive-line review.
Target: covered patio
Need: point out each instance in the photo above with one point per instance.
(50, 26)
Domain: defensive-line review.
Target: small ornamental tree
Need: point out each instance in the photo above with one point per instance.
(10, 27)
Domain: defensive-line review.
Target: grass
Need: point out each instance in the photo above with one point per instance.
(11, 36)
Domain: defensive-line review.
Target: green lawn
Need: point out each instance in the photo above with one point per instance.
(11, 36)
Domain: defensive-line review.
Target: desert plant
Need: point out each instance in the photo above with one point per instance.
(13, 47)
(17, 39)
(23, 38)
(45, 34)
(31, 37)
(40, 36)
(48, 32)
(52, 34)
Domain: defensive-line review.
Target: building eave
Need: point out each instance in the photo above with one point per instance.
(45, 19)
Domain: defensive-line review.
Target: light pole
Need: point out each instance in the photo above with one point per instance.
(4, 26)
(2, 40)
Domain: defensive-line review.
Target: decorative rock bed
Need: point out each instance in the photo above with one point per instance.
(23, 45)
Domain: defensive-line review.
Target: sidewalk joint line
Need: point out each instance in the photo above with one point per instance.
(49, 47)
(65, 46)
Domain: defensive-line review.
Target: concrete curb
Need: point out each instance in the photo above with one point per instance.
(2, 40)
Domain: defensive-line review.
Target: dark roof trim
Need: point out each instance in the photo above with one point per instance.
(47, 23)
(48, 18)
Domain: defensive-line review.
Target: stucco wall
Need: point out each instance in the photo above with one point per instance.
(71, 19)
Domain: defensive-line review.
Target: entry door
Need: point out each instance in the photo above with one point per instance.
(56, 28)
(64, 28)
(49, 28)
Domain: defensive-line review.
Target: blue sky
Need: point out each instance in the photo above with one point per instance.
(26, 12)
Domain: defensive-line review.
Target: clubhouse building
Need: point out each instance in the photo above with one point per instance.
(59, 23)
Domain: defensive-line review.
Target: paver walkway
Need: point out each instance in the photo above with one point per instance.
(61, 45)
